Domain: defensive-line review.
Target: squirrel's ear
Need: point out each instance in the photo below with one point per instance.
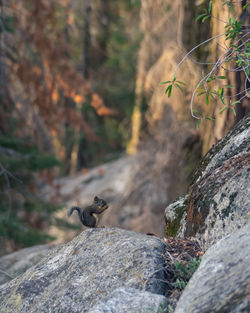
(95, 198)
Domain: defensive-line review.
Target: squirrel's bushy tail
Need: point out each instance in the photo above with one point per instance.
(79, 210)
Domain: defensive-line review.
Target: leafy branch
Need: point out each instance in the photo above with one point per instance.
(238, 51)
(172, 83)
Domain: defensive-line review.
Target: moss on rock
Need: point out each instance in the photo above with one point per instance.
(174, 214)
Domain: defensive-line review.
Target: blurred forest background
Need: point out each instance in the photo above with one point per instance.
(79, 86)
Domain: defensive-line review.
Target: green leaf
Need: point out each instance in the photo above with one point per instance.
(210, 78)
(197, 112)
(200, 17)
(224, 109)
(222, 100)
(180, 82)
(166, 91)
(233, 110)
(210, 6)
(209, 118)
(222, 92)
(170, 90)
(176, 85)
(235, 102)
(166, 82)
(207, 99)
(198, 124)
(205, 18)
(222, 77)
(228, 86)
(201, 93)
(211, 95)
(245, 6)
(216, 93)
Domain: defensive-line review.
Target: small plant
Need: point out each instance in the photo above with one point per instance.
(185, 271)
(237, 54)
(169, 309)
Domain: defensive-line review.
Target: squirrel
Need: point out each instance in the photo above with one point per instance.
(88, 215)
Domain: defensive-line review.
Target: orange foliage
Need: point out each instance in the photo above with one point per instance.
(105, 111)
(101, 109)
(64, 3)
(55, 96)
(78, 98)
(43, 66)
(70, 19)
(45, 86)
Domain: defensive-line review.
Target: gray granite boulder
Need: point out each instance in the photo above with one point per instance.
(218, 202)
(130, 300)
(222, 281)
(77, 275)
(18, 262)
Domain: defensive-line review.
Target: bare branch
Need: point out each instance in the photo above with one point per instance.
(5, 273)
(6, 175)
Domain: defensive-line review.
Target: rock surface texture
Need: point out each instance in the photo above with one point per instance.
(129, 300)
(219, 200)
(78, 275)
(222, 282)
(18, 262)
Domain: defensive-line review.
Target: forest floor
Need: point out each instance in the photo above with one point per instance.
(182, 258)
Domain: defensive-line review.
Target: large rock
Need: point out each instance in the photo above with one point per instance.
(77, 275)
(219, 200)
(130, 300)
(222, 282)
(18, 262)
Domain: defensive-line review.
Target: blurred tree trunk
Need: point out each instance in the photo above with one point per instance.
(161, 35)
(137, 114)
(69, 135)
(81, 149)
(103, 30)
(86, 38)
(3, 77)
(243, 107)
(143, 65)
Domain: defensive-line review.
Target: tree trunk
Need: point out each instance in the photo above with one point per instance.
(86, 38)
(242, 108)
(81, 159)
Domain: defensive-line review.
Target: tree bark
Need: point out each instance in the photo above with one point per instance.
(86, 38)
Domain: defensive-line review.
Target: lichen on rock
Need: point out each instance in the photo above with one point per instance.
(174, 214)
(218, 202)
(222, 281)
(76, 276)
